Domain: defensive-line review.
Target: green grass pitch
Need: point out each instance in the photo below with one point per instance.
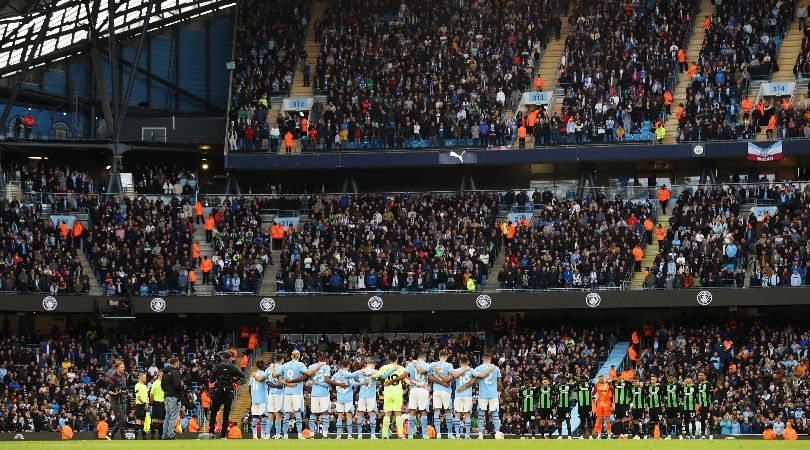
(332, 444)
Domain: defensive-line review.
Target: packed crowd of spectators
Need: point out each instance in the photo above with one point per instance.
(168, 180)
(35, 254)
(578, 243)
(710, 242)
(241, 246)
(44, 177)
(759, 372)
(269, 43)
(407, 243)
(617, 66)
(61, 377)
(141, 246)
(742, 41)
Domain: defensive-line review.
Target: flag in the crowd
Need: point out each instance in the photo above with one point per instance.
(771, 153)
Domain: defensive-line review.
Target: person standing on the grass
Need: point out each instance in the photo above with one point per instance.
(117, 391)
(545, 408)
(704, 404)
(528, 394)
(345, 382)
(584, 392)
(564, 391)
(489, 392)
(418, 395)
(157, 398)
(637, 405)
(441, 394)
(394, 375)
(367, 399)
(603, 407)
(654, 404)
(173, 389)
(258, 401)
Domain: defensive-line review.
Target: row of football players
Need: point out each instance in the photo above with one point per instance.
(277, 396)
(627, 407)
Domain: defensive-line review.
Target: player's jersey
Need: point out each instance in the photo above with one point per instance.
(564, 395)
(391, 372)
(465, 378)
(688, 392)
(621, 392)
(673, 392)
(414, 374)
(258, 389)
(444, 368)
(544, 394)
(704, 394)
(604, 394)
(291, 370)
(637, 396)
(370, 390)
(269, 374)
(345, 395)
(319, 386)
(488, 386)
(654, 395)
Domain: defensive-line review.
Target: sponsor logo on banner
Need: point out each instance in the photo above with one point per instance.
(287, 221)
(593, 299)
(770, 153)
(759, 211)
(375, 303)
(267, 304)
(483, 301)
(515, 218)
(157, 304)
(704, 298)
(49, 303)
(698, 150)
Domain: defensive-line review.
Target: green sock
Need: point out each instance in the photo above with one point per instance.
(400, 424)
(386, 423)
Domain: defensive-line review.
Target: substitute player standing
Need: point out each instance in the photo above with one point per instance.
(489, 393)
(441, 394)
(418, 395)
(367, 399)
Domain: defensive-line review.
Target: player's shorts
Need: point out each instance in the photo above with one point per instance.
(158, 411)
(603, 411)
(656, 415)
(488, 404)
(563, 412)
(367, 404)
(704, 414)
(140, 411)
(344, 407)
(319, 404)
(462, 404)
(637, 413)
(275, 403)
(527, 416)
(584, 411)
(673, 414)
(545, 413)
(441, 400)
(621, 411)
(689, 414)
(293, 402)
(418, 399)
(258, 409)
(392, 403)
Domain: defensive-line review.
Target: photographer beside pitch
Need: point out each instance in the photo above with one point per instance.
(223, 375)
(172, 388)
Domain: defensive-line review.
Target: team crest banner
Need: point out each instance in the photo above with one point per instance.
(771, 153)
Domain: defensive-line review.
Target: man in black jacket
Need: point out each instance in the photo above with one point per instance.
(173, 389)
(223, 375)
(117, 391)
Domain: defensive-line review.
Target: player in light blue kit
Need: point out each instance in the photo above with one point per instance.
(462, 404)
(418, 395)
(367, 399)
(345, 382)
(319, 397)
(275, 399)
(489, 388)
(293, 374)
(441, 394)
(258, 401)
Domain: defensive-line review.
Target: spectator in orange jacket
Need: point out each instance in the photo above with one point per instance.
(198, 211)
(66, 432)
(101, 429)
(663, 196)
(209, 228)
(205, 267)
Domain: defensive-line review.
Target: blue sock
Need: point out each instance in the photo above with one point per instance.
(496, 422)
(325, 419)
(312, 424)
(339, 426)
(424, 425)
(279, 429)
(437, 422)
(285, 422)
(448, 418)
(467, 426)
(411, 425)
(457, 426)
(482, 415)
(265, 427)
(372, 422)
(299, 422)
(349, 426)
(253, 422)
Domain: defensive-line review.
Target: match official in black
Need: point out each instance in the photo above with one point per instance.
(223, 375)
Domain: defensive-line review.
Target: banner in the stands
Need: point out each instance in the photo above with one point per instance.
(770, 153)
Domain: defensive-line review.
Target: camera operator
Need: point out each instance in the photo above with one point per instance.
(223, 375)
(118, 399)
(173, 390)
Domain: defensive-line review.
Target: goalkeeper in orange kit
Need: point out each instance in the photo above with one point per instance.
(603, 406)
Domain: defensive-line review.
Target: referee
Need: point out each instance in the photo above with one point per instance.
(157, 399)
(141, 403)
(223, 375)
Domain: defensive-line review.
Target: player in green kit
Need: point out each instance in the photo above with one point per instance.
(394, 375)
